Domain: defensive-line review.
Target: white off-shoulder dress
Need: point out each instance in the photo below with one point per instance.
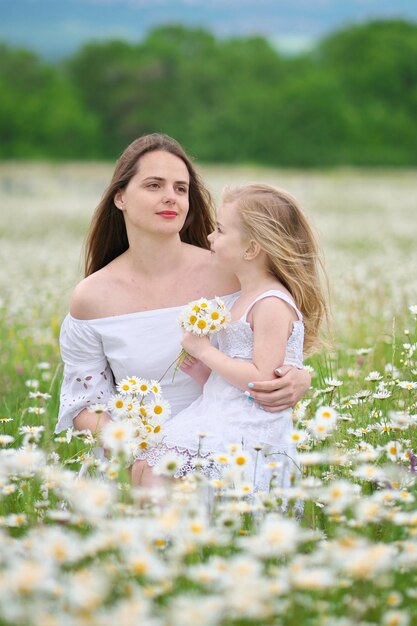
(98, 352)
(225, 415)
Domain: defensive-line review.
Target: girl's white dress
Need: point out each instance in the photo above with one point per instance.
(98, 352)
(225, 415)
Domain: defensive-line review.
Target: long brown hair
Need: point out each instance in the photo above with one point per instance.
(107, 237)
(273, 218)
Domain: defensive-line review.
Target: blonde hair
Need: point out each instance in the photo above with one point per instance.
(273, 218)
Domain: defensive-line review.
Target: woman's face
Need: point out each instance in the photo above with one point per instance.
(156, 198)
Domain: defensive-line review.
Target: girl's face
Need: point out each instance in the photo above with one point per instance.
(227, 242)
(156, 197)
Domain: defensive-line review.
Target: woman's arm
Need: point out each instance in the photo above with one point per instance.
(88, 420)
(271, 321)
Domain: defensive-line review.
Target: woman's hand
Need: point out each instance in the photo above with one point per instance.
(195, 345)
(284, 391)
(195, 369)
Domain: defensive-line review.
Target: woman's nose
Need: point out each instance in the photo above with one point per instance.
(169, 195)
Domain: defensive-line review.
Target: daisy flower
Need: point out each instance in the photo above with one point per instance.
(333, 382)
(169, 464)
(327, 416)
(374, 376)
(143, 387)
(188, 322)
(133, 407)
(117, 405)
(221, 459)
(125, 386)
(6, 439)
(116, 436)
(383, 394)
(155, 387)
(407, 384)
(158, 408)
(98, 408)
(39, 395)
(298, 437)
(241, 459)
(396, 618)
(318, 431)
(37, 410)
(33, 383)
(394, 450)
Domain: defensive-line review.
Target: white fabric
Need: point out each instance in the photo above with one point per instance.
(100, 351)
(226, 415)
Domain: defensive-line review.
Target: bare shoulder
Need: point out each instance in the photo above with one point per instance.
(273, 311)
(91, 294)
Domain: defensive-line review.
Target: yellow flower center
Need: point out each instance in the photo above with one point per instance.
(202, 324)
(157, 409)
(119, 404)
(139, 568)
(118, 434)
(196, 528)
(240, 460)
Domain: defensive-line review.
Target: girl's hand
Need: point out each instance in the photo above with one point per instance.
(283, 392)
(195, 369)
(195, 345)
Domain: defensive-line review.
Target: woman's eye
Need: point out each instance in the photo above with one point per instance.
(182, 189)
(153, 185)
(218, 229)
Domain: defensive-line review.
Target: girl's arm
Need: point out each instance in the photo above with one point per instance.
(272, 323)
(195, 369)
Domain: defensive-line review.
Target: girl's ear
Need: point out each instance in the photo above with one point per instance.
(252, 250)
(118, 200)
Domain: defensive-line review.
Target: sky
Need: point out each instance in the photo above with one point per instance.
(56, 28)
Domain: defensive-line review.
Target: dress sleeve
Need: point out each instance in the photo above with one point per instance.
(87, 377)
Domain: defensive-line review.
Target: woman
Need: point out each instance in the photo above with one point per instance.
(146, 257)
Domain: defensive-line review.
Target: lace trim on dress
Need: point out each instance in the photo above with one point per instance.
(192, 461)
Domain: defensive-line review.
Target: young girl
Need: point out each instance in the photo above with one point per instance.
(263, 237)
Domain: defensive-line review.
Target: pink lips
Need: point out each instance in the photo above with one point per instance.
(168, 214)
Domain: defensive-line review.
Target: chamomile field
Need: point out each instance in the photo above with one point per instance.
(91, 551)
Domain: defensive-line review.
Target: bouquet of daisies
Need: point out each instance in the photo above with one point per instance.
(203, 317)
(139, 412)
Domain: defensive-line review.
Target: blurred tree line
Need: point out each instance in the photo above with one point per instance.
(351, 100)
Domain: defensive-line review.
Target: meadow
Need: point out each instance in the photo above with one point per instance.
(91, 551)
